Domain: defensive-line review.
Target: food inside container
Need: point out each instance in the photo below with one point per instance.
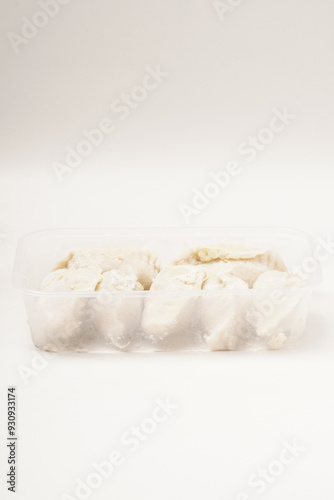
(158, 290)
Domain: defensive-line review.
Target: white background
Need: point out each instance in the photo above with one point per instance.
(225, 76)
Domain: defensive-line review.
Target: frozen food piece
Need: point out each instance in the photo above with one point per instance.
(221, 314)
(277, 279)
(234, 253)
(66, 322)
(214, 267)
(220, 279)
(66, 280)
(168, 315)
(67, 319)
(97, 257)
(120, 280)
(144, 263)
(225, 252)
(117, 316)
(179, 278)
(276, 316)
(248, 271)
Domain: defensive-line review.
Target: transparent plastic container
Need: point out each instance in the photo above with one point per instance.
(250, 319)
